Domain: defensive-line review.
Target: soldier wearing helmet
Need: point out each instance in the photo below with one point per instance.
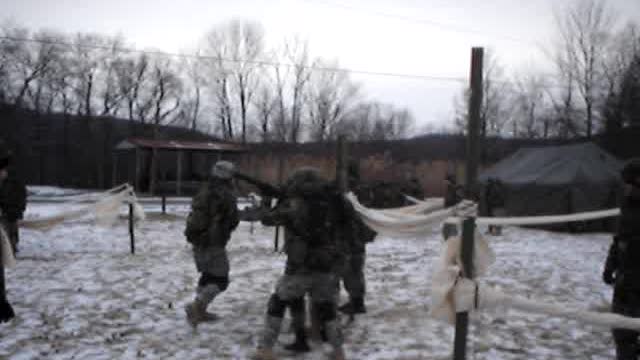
(310, 212)
(213, 216)
(622, 269)
(13, 197)
(12, 205)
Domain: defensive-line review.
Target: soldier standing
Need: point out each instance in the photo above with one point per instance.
(10, 211)
(495, 202)
(355, 239)
(622, 269)
(213, 216)
(309, 213)
(13, 198)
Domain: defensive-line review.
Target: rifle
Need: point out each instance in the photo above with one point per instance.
(267, 190)
(263, 187)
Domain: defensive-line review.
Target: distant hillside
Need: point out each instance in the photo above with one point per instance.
(54, 149)
(75, 151)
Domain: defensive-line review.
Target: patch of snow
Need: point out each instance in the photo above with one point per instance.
(79, 294)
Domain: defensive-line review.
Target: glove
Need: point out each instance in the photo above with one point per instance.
(6, 311)
(608, 278)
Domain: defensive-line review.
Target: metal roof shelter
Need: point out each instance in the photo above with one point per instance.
(154, 146)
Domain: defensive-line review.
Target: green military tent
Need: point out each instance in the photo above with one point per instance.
(557, 180)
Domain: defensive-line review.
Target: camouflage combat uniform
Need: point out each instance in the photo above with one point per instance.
(213, 216)
(310, 219)
(622, 269)
(12, 205)
(13, 202)
(355, 238)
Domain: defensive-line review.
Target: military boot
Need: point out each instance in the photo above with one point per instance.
(338, 354)
(6, 311)
(196, 313)
(354, 306)
(300, 344)
(264, 354)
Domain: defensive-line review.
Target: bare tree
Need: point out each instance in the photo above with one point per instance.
(297, 54)
(110, 93)
(194, 86)
(624, 49)
(331, 95)
(266, 104)
(584, 31)
(530, 110)
(166, 91)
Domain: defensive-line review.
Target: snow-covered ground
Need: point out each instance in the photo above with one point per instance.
(79, 294)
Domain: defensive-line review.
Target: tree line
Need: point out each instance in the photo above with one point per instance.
(234, 87)
(593, 86)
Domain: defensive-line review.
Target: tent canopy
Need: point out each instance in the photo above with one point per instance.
(553, 180)
(557, 165)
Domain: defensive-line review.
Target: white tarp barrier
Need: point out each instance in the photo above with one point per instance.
(451, 293)
(105, 209)
(405, 221)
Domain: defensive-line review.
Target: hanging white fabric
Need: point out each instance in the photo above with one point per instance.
(410, 220)
(105, 209)
(451, 293)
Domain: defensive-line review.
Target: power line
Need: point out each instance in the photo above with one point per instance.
(441, 25)
(242, 61)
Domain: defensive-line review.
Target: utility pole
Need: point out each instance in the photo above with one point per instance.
(471, 174)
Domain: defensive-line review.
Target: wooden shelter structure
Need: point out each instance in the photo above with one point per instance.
(147, 158)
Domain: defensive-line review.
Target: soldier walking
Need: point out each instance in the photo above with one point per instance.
(213, 216)
(310, 214)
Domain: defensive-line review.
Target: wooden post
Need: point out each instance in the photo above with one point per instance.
(473, 129)
(132, 234)
(179, 174)
(462, 319)
(164, 204)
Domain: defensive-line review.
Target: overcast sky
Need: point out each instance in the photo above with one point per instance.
(421, 37)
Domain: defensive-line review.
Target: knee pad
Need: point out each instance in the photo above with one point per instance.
(222, 282)
(276, 306)
(326, 311)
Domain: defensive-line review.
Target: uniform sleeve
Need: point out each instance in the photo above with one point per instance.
(288, 212)
(611, 264)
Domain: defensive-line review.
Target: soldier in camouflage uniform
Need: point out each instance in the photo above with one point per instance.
(310, 214)
(12, 204)
(213, 216)
(355, 240)
(13, 198)
(622, 268)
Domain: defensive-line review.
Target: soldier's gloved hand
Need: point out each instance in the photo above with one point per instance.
(608, 277)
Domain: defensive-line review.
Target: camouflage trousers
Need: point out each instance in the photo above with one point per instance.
(626, 302)
(321, 287)
(211, 260)
(353, 276)
(13, 232)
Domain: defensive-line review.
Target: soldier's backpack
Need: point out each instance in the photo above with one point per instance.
(197, 227)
